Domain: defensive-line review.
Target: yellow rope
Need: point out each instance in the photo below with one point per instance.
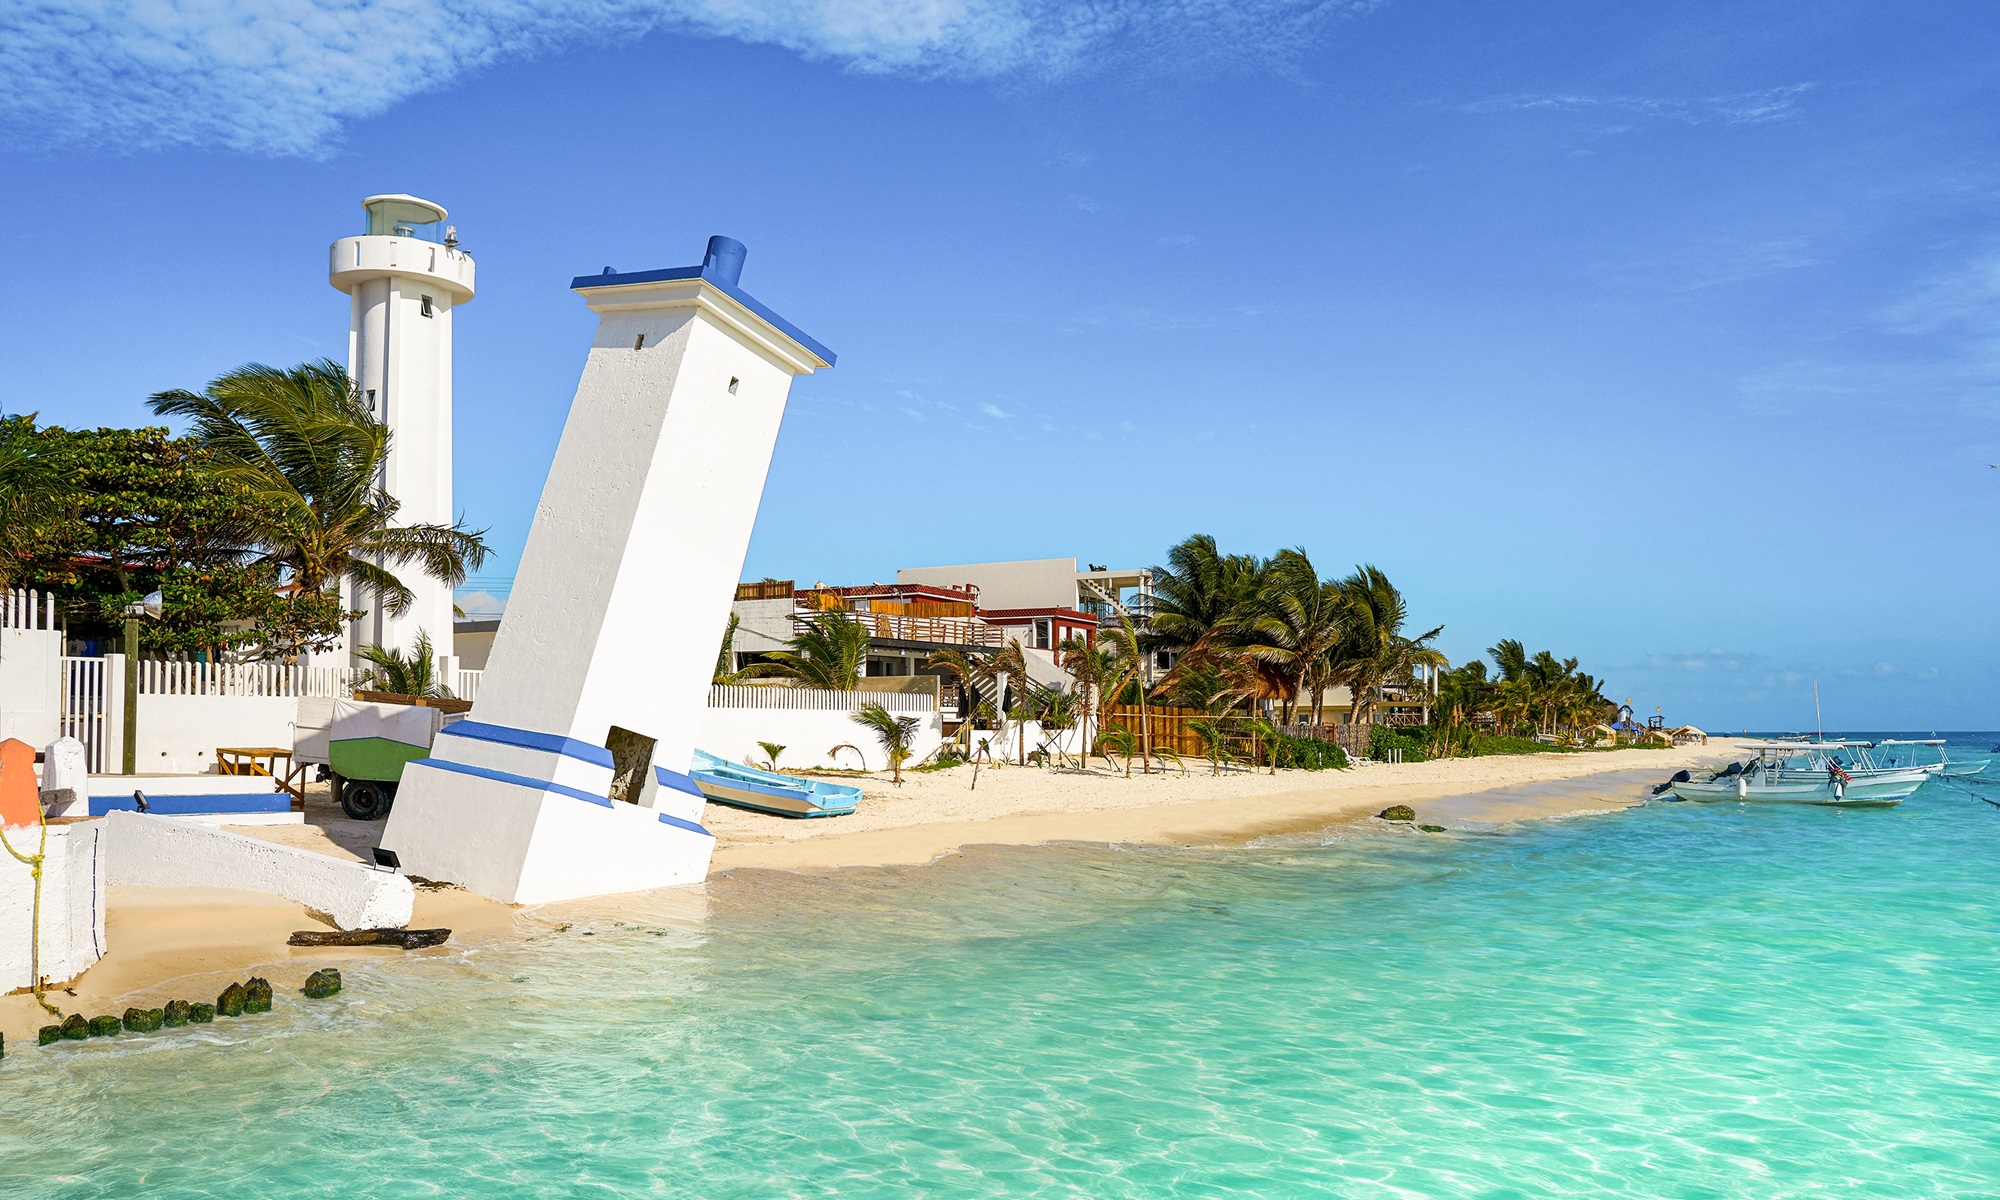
(34, 862)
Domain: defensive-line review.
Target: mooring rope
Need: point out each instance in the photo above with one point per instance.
(34, 862)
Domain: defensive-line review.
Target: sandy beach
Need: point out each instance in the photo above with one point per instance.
(187, 943)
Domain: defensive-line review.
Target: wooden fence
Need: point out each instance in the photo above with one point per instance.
(1170, 731)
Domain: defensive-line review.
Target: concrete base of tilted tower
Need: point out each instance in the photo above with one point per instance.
(571, 780)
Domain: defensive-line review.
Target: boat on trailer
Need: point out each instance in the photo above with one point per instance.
(1827, 773)
(741, 786)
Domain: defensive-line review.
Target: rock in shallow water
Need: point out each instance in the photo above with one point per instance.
(257, 995)
(1432, 828)
(76, 1027)
(143, 1020)
(201, 1012)
(175, 1014)
(408, 939)
(321, 984)
(230, 1003)
(1398, 812)
(104, 1026)
(49, 1033)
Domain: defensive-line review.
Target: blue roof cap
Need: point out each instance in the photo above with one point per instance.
(721, 267)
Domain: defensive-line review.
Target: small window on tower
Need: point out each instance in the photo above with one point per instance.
(427, 306)
(732, 386)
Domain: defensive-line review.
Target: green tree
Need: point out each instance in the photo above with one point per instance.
(406, 674)
(897, 735)
(301, 443)
(1293, 628)
(148, 511)
(829, 651)
(1196, 594)
(35, 496)
(1375, 650)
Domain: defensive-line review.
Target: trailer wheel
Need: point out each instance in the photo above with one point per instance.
(366, 799)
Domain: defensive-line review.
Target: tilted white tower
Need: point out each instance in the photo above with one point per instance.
(406, 274)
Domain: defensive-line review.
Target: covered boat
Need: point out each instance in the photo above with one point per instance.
(739, 786)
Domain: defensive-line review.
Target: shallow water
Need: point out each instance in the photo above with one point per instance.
(1678, 1000)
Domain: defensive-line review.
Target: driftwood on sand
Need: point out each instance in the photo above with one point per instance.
(408, 939)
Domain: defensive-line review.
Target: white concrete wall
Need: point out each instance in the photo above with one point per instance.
(1030, 583)
(180, 734)
(72, 925)
(155, 851)
(31, 685)
(807, 735)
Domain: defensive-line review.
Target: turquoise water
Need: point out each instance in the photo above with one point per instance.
(1678, 1000)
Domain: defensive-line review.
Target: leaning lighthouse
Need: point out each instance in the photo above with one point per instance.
(405, 274)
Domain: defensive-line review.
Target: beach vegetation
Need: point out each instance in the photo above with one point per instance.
(1214, 743)
(412, 673)
(308, 457)
(896, 734)
(829, 651)
(771, 752)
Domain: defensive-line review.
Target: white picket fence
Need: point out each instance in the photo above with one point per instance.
(27, 608)
(465, 684)
(780, 698)
(160, 678)
(84, 704)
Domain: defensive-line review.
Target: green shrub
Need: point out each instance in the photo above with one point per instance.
(1414, 743)
(1309, 754)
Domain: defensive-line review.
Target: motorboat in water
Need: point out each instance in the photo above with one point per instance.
(1838, 774)
(1895, 750)
(740, 786)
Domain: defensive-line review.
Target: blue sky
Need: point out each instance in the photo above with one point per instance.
(1665, 336)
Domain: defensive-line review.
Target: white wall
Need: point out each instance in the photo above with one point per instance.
(807, 736)
(31, 685)
(179, 734)
(154, 851)
(72, 929)
(1030, 583)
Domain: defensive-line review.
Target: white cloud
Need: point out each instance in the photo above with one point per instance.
(283, 76)
(994, 411)
(1742, 108)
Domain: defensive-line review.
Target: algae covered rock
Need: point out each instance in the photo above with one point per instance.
(104, 1026)
(1398, 812)
(232, 1001)
(321, 984)
(144, 1020)
(201, 1012)
(175, 1014)
(75, 1027)
(257, 995)
(49, 1033)
(1431, 828)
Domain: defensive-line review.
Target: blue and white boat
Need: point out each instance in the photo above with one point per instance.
(739, 786)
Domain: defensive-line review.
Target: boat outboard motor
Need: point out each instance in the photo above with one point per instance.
(1680, 776)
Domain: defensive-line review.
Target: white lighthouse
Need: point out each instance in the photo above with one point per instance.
(405, 275)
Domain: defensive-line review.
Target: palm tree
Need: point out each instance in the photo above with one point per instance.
(1194, 595)
(1214, 742)
(303, 444)
(414, 674)
(725, 658)
(970, 671)
(895, 733)
(1374, 650)
(771, 752)
(1122, 742)
(1130, 652)
(1292, 628)
(829, 652)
